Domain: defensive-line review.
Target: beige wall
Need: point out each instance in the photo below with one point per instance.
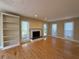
(34, 24)
(37, 24)
(60, 26)
(76, 31)
(49, 29)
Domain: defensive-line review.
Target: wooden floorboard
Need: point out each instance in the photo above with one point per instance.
(52, 48)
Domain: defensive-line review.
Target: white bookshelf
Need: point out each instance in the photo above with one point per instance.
(9, 30)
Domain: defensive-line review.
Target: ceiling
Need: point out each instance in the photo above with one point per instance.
(50, 10)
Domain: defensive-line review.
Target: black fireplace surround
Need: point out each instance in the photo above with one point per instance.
(35, 34)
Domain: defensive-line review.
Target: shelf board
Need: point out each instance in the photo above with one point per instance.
(9, 36)
(10, 29)
(6, 41)
(9, 40)
(10, 22)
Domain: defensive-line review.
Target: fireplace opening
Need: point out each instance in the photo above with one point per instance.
(36, 34)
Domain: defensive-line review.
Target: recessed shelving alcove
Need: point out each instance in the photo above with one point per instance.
(9, 30)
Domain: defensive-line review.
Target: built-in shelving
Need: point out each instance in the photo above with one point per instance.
(9, 30)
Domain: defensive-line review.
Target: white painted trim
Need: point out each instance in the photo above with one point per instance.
(9, 14)
(11, 46)
(68, 39)
(62, 18)
(1, 31)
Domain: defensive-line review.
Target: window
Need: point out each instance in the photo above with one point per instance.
(45, 30)
(54, 30)
(68, 30)
(25, 30)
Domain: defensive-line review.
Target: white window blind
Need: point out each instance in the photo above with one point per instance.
(68, 30)
(54, 30)
(25, 30)
(45, 29)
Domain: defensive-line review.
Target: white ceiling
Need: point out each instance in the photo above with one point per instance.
(50, 9)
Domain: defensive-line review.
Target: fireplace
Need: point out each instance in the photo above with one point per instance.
(35, 34)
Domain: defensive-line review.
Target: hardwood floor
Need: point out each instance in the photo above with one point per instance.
(52, 48)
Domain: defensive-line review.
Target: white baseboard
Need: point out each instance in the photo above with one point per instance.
(68, 39)
(11, 46)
